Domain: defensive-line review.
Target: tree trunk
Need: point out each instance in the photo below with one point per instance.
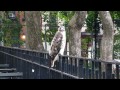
(75, 26)
(34, 33)
(108, 37)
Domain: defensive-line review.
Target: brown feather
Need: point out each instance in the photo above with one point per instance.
(55, 47)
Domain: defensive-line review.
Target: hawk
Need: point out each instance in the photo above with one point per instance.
(57, 45)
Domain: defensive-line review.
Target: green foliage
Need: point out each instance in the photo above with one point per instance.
(11, 32)
(65, 15)
(52, 20)
(116, 15)
(117, 41)
(90, 21)
(84, 42)
(52, 25)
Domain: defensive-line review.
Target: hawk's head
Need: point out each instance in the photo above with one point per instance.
(61, 26)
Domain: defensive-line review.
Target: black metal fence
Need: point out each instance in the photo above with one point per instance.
(35, 65)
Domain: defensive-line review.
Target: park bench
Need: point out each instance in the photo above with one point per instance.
(4, 65)
(9, 73)
(5, 68)
(8, 70)
(12, 75)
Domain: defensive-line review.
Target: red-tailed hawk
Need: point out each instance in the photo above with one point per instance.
(57, 45)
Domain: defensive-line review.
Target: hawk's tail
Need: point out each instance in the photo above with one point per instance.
(51, 61)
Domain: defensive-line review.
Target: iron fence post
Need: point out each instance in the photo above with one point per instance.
(61, 66)
(108, 71)
(80, 66)
(117, 71)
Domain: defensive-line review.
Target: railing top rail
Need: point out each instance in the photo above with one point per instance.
(97, 60)
(58, 71)
(24, 49)
(66, 56)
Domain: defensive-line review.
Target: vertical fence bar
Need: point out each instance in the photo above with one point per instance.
(113, 76)
(100, 71)
(61, 66)
(72, 66)
(75, 66)
(117, 71)
(108, 71)
(80, 68)
(25, 72)
(71, 71)
(17, 64)
(67, 65)
(63, 63)
(29, 70)
(103, 75)
(84, 75)
(40, 72)
(49, 65)
(21, 65)
(47, 59)
(10, 61)
(87, 68)
(57, 65)
(90, 73)
(0, 57)
(38, 75)
(96, 74)
(93, 69)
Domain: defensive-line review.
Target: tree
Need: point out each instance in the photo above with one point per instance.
(75, 25)
(34, 30)
(116, 18)
(9, 30)
(1, 32)
(108, 36)
(116, 44)
(52, 24)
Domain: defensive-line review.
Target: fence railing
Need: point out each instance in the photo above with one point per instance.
(36, 65)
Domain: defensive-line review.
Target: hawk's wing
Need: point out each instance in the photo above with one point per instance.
(55, 45)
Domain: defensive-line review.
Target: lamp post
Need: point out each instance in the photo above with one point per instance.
(23, 37)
